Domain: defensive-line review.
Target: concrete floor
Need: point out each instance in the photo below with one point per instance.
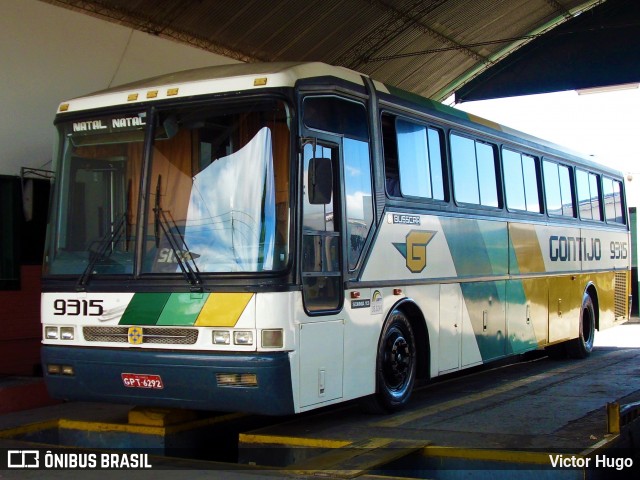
(538, 406)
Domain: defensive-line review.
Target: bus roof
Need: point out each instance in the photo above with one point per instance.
(249, 76)
(216, 79)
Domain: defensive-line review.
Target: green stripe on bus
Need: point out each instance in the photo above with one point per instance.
(182, 308)
(144, 309)
(478, 248)
(521, 334)
(490, 336)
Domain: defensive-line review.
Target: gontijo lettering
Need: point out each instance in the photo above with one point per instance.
(569, 249)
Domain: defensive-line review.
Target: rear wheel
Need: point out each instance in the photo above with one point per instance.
(395, 366)
(582, 346)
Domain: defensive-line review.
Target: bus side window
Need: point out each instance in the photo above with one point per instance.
(413, 159)
(473, 165)
(391, 170)
(588, 195)
(613, 201)
(358, 195)
(558, 192)
(420, 158)
(565, 191)
(520, 181)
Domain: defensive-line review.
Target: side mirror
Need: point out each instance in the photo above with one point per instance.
(320, 181)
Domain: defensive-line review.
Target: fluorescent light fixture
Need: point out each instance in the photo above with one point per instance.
(607, 88)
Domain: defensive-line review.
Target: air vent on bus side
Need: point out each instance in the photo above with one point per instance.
(620, 294)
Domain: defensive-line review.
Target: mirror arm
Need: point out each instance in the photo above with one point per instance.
(309, 140)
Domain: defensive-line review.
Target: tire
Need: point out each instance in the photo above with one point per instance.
(395, 366)
(582, 346)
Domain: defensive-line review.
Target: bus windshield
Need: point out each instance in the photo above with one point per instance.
(217, 200)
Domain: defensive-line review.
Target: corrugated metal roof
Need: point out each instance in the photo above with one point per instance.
(596, 49)
(428, 47)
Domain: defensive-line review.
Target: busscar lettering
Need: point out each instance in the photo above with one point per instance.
(571, 249)
(406, 219)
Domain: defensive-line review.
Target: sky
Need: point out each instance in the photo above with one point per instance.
(604, 126)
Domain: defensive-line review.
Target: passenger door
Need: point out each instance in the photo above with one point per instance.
(322, 283)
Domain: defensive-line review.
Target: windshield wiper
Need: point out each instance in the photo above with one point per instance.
(109, 240)
(183, 256)
(176, 241)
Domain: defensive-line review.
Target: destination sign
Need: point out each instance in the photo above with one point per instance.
(110, 124)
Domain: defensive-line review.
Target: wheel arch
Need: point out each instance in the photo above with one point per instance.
(592, 291)
(420, 332)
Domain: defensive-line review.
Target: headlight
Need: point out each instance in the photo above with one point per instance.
(221, 337)
(67, 333)
(243, 338)
(51, 333)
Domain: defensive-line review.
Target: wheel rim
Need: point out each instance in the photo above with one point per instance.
(398, 361)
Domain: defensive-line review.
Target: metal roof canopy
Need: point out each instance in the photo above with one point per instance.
(595, 49)
(428, 47)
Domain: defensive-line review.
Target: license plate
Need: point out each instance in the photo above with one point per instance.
(137, 380)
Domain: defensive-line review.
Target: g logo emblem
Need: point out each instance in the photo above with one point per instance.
(135, 335)
(414, 250)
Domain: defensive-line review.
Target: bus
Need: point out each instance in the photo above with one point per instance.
(274, 238)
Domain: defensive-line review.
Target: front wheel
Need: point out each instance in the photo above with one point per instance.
(395, 366)
(582, 346)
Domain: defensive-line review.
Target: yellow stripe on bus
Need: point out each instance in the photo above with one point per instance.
(223, 309)
(527, 248)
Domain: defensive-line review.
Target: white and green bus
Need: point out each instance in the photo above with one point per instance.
(274, 238)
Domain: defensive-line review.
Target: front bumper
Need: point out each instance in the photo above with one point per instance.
(189, 379)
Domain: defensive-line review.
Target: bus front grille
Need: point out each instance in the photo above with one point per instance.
(166, 336)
